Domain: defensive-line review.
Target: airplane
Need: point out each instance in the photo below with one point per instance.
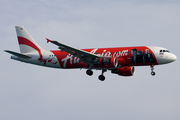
(119, 60)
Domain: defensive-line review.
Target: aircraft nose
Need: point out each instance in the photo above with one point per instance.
(173, 57)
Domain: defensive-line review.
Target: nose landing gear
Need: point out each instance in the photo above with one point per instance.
(152, 72)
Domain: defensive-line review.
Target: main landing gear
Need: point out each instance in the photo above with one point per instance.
(152, 72)
(101, 77)
(89, 72)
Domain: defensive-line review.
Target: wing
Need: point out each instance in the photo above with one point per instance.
(85, 56)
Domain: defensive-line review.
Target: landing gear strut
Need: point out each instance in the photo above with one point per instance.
(102, 77)
(89, 71)
(152, 72)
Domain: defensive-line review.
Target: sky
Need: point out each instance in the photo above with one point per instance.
(30, 92)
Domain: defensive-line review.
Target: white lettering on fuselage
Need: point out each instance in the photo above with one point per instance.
(74, 60)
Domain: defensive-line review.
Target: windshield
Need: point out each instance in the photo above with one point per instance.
(164, 51)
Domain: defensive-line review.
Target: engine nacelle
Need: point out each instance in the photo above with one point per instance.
(124, 71)
(121, 61)
(108, 62)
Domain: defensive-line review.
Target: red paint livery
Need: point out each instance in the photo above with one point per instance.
(139, 57)
(119, 60)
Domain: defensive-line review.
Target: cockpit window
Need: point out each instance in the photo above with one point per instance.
(164, 51)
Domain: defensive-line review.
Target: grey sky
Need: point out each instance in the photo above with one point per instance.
(32, 92)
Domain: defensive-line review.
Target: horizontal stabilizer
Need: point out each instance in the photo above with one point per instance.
(18, 54)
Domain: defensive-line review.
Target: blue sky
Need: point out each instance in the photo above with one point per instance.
(34, 92)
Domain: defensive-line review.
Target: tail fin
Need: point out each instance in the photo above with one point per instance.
(26, 42)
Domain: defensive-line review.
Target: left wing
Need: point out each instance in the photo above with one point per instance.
(86, 57)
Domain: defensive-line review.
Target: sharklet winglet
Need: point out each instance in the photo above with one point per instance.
(48, 40)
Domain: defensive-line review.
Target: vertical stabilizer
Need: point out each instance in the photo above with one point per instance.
(26, 42)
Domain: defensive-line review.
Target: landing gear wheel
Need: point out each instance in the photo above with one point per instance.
(101, 77)
(153, 73)
(89, 72)
(152, 68)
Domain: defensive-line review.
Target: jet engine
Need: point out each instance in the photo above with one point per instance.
(124, 71)
(108, 62)
(121, 62)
